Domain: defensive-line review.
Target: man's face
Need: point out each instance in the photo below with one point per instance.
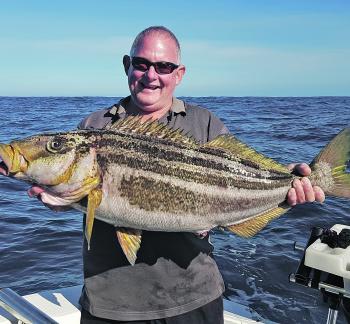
(149, 90)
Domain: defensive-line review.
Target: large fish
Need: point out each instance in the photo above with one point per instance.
(146, 176)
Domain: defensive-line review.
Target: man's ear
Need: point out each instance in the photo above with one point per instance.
(180, 71)
(126, 63)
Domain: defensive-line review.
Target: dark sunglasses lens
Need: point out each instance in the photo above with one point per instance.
(164, 67)
(143, 65)
(140, 64)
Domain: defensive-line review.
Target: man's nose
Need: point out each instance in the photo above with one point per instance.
(151, 73)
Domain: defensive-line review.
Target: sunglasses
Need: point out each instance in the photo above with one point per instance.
(141, 64)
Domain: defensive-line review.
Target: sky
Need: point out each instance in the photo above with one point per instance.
(229, 48)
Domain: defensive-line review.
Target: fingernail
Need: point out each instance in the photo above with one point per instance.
(306, 181)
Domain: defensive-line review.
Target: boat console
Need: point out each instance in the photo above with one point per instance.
(325, 265)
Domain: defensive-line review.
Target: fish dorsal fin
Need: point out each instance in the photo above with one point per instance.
(130, 241)
(94, 200)
(152, 128)
(242, 152)
(252, 226)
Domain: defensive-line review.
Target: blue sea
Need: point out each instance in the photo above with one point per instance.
(41, 249)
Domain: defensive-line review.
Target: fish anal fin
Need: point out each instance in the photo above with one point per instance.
(130, 241)
(252, 226)
(94, 200)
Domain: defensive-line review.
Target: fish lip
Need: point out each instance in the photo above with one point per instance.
(55, 199)
(12, 161)
(5, 159)
(3, 168)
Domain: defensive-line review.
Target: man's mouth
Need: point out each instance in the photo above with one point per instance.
(150, 86)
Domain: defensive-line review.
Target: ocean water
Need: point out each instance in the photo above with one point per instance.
(41, 249)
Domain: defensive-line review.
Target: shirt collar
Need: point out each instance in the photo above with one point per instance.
(118, 108)
(178, 107)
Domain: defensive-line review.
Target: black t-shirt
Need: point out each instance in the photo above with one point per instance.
(174, 272)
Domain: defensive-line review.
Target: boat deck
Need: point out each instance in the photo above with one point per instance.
(62, 305)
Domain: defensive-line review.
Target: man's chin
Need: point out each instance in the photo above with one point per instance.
(148, 104)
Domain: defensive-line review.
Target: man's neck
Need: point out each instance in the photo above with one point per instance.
(133, 109)
(154, 114)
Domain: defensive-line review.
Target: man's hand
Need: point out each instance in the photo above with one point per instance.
(302, 191)
(36, 191)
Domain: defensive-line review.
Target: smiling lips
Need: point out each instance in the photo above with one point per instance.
(149, 86)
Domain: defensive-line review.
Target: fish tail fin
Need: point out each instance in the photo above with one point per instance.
(332, 166)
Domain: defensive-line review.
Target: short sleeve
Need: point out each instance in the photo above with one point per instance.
(216, 127)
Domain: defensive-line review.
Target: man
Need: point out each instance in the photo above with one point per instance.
(175, 278)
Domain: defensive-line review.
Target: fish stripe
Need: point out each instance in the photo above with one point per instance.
(197, 173)
(188, 164)
(161, 196)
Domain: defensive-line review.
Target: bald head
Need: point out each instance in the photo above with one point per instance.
(156, 31)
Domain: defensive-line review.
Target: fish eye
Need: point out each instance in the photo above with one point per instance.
(55, 145)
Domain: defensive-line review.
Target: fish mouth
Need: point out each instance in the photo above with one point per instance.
(3, 168)
(6, 159)
(12, 162)
(49, 196)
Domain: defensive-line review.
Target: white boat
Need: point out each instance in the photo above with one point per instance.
(62, 307)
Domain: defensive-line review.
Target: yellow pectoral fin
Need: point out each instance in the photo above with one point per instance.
(94, 200)
(252, 226)
(130, 241)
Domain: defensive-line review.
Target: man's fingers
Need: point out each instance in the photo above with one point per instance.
(35, 191)
(301, 169)
(319, 194)
(308, 190)
(292, 197)
(302, 191)
(299, 190)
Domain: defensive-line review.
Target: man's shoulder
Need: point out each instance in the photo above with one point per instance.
(197, 111)
(201, 113)
(97, 119)
(203, 123)
(194, 109)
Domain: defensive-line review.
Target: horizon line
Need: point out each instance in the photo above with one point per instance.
(181, 96)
